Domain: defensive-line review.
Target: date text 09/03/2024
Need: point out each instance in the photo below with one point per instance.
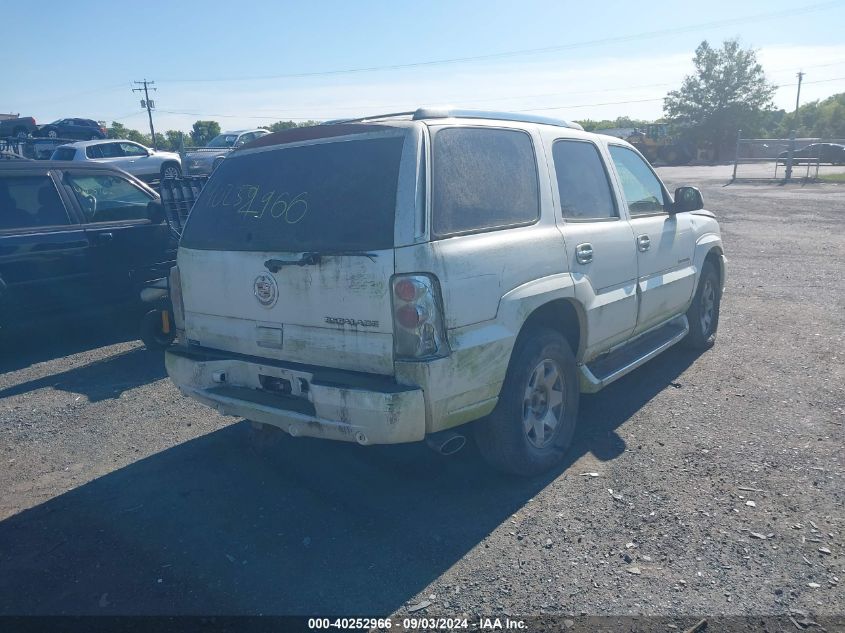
(410, 624)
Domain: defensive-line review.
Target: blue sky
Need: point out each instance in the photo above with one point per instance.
(247, 63)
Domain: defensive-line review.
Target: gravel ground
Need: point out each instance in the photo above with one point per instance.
(119, 496)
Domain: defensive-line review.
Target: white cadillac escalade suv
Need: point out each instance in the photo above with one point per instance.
(390, 279)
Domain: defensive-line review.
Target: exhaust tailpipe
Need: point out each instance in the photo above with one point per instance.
(445, 442)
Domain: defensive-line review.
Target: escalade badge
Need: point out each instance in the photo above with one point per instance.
(265, 290)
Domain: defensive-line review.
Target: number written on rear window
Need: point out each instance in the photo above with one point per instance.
(337, 196)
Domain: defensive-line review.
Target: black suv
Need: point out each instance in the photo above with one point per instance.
(82, 129)
(74, 237)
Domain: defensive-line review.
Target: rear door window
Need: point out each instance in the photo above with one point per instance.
(482, 179)
(30, 201)
(326, 197)
(108, 198)
(582, 182)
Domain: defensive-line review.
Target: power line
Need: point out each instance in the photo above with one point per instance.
(529, 51)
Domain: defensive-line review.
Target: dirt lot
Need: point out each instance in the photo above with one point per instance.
(117, 495)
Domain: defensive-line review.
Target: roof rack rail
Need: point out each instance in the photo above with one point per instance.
(446, 113)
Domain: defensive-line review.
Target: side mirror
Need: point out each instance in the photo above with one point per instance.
(155, 211)
(687, 199)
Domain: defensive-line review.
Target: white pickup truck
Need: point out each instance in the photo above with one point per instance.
(392, 279)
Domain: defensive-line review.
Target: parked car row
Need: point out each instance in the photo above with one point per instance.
(72, 128)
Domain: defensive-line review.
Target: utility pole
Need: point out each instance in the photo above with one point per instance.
(146, 103)
(791, 150)
(798, 96)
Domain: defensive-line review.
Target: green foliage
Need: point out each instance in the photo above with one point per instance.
(727, 92)
(203, 131)
(623, 121)
(278, 126)
(817, 119)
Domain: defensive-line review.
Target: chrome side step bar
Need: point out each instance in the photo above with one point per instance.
(604, 370)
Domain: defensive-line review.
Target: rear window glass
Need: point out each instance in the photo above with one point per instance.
(30, 201)
(327, 197)
(482, 179)
(64, 153)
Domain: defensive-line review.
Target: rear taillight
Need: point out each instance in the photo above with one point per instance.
(418, 329)
(176, 299)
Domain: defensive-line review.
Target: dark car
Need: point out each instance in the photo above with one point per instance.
(832, 153)
(82, 129)
(18, 127)
(75, 237)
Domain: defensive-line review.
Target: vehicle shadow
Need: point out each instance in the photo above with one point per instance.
(210, 527)
(101, 379)
(47, 340)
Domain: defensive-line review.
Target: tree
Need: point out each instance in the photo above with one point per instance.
(817, 119)
(118, 130)
(278, 126)
(203, 131)
(728, 92)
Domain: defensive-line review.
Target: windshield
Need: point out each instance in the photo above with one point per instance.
(337, 196)
(223, 140)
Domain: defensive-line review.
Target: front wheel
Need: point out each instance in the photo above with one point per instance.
(532, 426)
(52, 134)
(170, 171)
(703, 314)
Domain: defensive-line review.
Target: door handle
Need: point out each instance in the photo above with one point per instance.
(643, 242)
(584, 253)
(105, 238)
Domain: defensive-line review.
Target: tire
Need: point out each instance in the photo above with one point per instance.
(151, 332)
(94, 137)
(264, 438)
(542, 364)
(703, 314)
(21, 132)
(170, 171)
(52, 134)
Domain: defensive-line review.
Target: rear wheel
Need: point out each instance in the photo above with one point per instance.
(703, 314)
(152, 331)
(21, 132)
(532, 426)
(52, 134)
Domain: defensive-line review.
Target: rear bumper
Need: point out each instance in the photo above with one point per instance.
(328, 404)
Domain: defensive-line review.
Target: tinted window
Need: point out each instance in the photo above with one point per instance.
(327, 197)
(582, 182)
(27, 201)
(107, 198)
(643, 191)
(482, 179)
(64, 153)
(94, 151)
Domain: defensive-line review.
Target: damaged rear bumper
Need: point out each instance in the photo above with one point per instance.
(305, 400)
